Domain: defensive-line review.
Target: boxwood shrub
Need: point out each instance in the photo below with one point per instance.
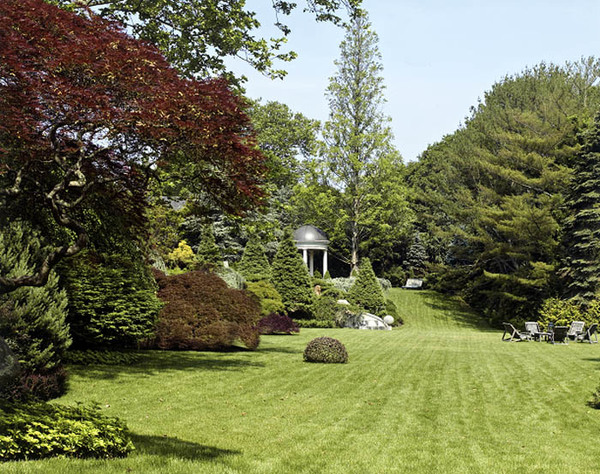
(41, 430)
(326, 350)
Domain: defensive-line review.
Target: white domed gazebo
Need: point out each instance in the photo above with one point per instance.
(311, 239)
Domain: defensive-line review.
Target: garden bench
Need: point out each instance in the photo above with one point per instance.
(413, 284)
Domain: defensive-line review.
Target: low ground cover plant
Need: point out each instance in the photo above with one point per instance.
(326, 350)
(41, 430)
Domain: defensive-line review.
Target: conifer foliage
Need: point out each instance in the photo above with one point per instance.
(291, 277)
(32, 320)
(366, 291)
(582, 228)
(254, 265)
(209, 254)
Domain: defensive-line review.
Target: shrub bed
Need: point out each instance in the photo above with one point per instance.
(41, 430)
(326, 350)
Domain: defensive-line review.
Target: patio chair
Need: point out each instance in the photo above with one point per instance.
(576, 329)
(513, 334)
(533, 328)
(587, 335)
(560, 335)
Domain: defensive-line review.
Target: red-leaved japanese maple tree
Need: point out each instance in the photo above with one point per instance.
(88, 113)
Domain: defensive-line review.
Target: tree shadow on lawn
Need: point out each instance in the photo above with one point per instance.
(154, 362)
(456, 310)
(173, 447)
(281, 350)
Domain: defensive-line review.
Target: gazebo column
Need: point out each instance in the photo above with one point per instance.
(305, 256)
(324, 262)
(312, 262)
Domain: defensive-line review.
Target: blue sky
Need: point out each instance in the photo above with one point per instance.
(439, 57)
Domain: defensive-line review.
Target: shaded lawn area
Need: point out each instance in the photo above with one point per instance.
(441, 394)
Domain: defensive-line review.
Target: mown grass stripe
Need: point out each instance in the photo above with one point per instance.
(441, 394)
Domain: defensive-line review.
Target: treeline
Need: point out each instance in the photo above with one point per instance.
(507, 206)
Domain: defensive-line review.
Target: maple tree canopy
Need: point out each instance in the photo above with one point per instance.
(88, 112)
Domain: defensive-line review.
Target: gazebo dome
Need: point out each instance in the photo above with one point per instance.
(311, 239)
(309, 236)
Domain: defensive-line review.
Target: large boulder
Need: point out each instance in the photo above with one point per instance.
(367, 321)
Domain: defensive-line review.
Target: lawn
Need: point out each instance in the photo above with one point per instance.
(441, 394)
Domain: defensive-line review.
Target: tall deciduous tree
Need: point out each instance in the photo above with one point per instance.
(90, 114)
(358, 137)
(582, 228)
(198, 35)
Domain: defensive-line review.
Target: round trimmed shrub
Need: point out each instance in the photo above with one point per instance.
(326, 350)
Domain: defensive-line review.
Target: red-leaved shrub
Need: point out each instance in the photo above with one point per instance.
(202, 313)
(277, 324)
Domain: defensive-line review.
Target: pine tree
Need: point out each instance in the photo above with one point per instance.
(291, 278)
(366, 291)
(416, 256)
(33, 322)
(254, 265)
(582, 228)
(209, 253)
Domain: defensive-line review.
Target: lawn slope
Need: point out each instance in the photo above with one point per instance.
(440, 394)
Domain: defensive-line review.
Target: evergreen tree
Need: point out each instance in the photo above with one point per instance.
(366, 291)
(208, 253)
(33, 318)
(291, 278)
(582, 227)
(254, 265)
(112, 300)
(416, 258)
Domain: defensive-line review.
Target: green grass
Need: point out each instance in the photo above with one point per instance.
(441, 394)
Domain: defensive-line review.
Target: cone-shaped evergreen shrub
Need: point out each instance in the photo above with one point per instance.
(366, 291)
(254, 265)
(209, 254)
(33, 321)
(270, 299)
(291, 278)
